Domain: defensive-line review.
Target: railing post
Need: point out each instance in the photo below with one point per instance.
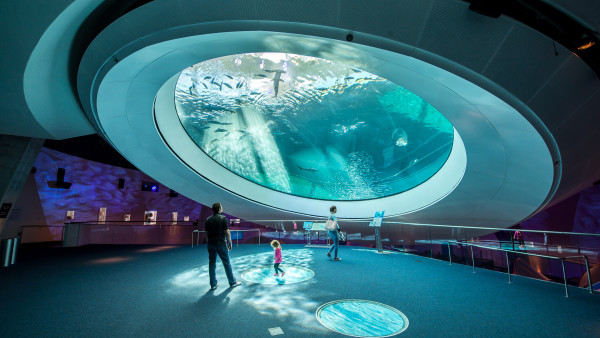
(430, 245)
(512, 239)
(587, 268)
(449, 253)
(508, 267)
(472, 258)
(564, 276)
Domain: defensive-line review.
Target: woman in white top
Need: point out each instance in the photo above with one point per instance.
(333, 235)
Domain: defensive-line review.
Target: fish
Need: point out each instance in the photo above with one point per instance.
(277, 133)
(349, 78)
(207, 77)
(401, 137)
(239, 84)
(260, 75)
(193, 87)
(204, 127)
(205, 87)
(221, 123)
(220, 130)
(227, 85)
(312, 170)
(356, 70)
(229, 76)
(276, 79)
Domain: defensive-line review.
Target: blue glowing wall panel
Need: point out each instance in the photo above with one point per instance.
(95, 185)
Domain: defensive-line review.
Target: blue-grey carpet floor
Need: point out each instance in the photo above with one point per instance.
(163, 291)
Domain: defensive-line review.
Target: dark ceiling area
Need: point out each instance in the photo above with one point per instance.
(550, 21)
(90, 147)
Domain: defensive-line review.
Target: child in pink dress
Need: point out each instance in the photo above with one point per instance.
(277, 247)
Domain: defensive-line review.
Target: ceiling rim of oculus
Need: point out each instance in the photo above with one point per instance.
(493, 164)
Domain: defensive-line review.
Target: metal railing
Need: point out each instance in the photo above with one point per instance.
(464, 232)
(562, 259)
(231, 230)
(440, 241)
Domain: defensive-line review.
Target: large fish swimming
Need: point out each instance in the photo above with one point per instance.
(221, 123)
(312, 170)
(276, 79)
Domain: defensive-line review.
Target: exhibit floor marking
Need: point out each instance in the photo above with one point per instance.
(361, 318)
(275, 331)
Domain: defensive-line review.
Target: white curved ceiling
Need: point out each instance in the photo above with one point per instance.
(498, 167)
(525, 162)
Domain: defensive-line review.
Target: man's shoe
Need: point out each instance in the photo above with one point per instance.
(215, 287)
(235, 284)
(329, 254)
(337, 259)
(282, 273)
(277, 275)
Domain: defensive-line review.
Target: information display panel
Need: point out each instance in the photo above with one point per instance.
(377, 220)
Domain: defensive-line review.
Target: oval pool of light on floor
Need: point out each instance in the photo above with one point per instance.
(264, 275)
(361, 318)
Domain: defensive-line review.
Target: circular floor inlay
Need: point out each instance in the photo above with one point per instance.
(362, 318)
(264, 275)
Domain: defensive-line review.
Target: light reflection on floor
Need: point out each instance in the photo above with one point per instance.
(285, 302)
(158, 248)
(384, 252)
(362, 318)
(111, 260)
(264, 275)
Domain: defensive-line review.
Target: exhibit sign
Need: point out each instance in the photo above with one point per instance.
(377, 220)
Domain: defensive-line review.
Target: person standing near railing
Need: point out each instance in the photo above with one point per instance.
(219, 243)
(333, 228)
(519, 236)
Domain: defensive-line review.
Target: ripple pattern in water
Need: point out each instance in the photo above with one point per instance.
(362, 318)
(264, 275)
(311, 127)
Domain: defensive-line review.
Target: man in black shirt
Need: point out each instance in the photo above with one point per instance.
(219, 243)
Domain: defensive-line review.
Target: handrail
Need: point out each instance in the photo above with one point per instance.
(129, 223)
(41, 226)
(124, 224)
(427, 225)
(237, 221)
(231, 230)
(562, 259)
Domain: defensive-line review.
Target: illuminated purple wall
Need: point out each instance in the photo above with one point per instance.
(95, 185)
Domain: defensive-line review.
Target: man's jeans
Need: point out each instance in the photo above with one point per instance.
(221, 250)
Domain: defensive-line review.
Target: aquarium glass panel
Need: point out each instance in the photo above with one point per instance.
(311, 127)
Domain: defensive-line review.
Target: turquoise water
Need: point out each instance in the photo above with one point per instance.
(264, 275)
(311, 127)
(362, 318)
